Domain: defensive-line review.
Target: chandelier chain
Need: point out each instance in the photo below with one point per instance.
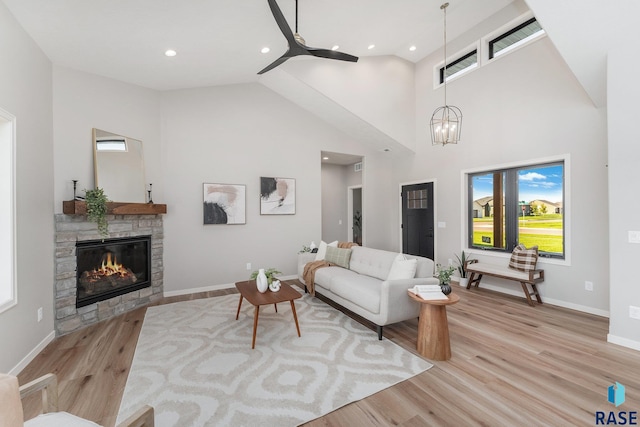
(444, 70)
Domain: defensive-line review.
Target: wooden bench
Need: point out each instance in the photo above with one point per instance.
(478, 269)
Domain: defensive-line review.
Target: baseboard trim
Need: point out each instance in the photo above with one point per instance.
(32, 354)
(212, 288)
(551, 301)
(625, 342)
(196, 290)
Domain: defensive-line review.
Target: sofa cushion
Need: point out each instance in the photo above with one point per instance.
(402, 268)
(322, 249)
(372, 262)
(325, 275)
(359, 289)
(523, 259)
(338, 256)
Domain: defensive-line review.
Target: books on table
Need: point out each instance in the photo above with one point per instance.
(428, 292)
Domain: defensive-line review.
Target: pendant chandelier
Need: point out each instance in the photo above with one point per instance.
(446, 121)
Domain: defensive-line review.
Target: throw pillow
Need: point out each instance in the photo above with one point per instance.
(338, 256)
(402, 268)
(322, 249)
(523, 259)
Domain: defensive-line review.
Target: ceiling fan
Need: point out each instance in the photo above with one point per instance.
(297, 44)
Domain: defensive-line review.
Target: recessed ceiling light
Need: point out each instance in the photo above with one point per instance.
(371, 46)
(170, 52)
(412, 48)
(335, 47)
(325, 158)
(265, 50)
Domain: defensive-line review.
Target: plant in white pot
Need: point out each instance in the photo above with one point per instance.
(462, 268)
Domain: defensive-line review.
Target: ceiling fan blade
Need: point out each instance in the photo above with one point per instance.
(275, 63)
(331, 54)
(282, 22)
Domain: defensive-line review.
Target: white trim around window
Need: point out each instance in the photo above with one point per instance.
(484, 42)
(464, 194)
(8, 279)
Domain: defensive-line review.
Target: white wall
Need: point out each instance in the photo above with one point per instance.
(25, 92)
(234, 135)
(526, 105)
(379, 90)
(624, 157)
(83, 101)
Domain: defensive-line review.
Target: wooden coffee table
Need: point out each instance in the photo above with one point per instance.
(433, 328)
(249, 290)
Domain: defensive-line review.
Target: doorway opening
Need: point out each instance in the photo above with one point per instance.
(354, 215)
(342, 197)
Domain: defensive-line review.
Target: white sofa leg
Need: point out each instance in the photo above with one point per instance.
(379, 328)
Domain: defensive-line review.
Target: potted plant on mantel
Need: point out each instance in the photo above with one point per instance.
(462, 268)
(96, 202)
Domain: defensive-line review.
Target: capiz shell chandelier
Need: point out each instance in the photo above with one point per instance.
(446, 121)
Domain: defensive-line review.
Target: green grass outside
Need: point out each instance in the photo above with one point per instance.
(545, 243)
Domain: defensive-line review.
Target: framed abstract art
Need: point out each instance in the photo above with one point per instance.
(277, 196)
(224, 204)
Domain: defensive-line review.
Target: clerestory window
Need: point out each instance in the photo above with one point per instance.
(515, 37)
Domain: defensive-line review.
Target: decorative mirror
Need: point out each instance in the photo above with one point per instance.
(119, 167)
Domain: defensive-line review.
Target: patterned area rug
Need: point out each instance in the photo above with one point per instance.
(194, 364)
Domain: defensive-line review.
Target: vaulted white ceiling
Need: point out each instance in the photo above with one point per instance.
(219, 41)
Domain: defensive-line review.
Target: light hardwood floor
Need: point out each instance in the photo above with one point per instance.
(512, 365)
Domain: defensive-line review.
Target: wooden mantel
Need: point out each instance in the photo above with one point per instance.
(77, 207)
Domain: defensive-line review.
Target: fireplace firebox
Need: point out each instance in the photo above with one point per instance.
(113, 267)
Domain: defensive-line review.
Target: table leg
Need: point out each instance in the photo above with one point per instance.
(295, 316)
(433, 333)
(276, 306)
(255, 326)
(239, 305)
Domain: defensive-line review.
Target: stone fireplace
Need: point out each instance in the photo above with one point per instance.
(82, 296)
(108, 268)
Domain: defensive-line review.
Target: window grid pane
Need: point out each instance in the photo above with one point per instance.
(417, 199)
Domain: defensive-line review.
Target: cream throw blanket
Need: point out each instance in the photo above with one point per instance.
(309, 273)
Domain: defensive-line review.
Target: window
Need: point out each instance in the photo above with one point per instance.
(8, 290)
(417, 199)
(522, 204)
(459, 66)
(111, 144)
(515, 37)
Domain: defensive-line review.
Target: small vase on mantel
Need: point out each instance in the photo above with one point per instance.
(261, 281)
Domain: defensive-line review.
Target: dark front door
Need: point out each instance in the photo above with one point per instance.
(417, 219)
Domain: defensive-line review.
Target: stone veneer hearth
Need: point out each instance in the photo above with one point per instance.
(72, 228)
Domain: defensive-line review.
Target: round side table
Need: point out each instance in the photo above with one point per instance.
(433, 328)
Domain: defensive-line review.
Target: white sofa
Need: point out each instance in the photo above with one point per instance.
(363, 288)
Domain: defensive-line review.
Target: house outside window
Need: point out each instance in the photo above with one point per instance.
(523, 204)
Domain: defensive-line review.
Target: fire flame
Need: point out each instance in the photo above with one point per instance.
(111, 266)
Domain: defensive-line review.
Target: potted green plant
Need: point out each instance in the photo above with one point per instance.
(462, 268)
(269, 272)
(357, 228)
(96, 202)
(444, 276)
